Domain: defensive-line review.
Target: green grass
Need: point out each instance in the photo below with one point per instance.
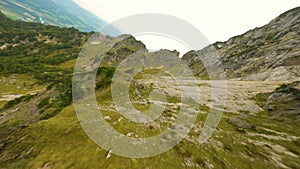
(2, 103)
(61, 143)
(260, 99)
(19, 84)
(67, 64)
(11, 16)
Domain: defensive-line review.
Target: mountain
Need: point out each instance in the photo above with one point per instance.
(271, 52)
(259, 128)
(64, 13)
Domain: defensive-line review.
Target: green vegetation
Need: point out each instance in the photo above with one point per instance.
(104, 77)
(62, 143)
(44, 102)
(40, 129)
(261, 99)
(30, 59)
(17, 85)
(16, 101)
(65, 13)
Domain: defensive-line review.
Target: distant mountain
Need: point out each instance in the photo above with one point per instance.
(64, 13)
(271, 52)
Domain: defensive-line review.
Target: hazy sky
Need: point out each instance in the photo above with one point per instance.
(218, 20)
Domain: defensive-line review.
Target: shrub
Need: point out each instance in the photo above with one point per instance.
(44, 102)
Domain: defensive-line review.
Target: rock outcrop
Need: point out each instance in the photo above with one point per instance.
(271, 52)
(285, 102)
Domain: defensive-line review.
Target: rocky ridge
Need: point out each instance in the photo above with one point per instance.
(271, 52)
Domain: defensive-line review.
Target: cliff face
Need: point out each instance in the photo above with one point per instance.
(271, 52)
(121, 50)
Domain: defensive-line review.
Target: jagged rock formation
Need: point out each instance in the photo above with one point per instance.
(121, 50)
(271, 52)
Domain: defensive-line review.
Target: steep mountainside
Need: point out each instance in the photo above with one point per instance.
(271, 52)
(65, 13)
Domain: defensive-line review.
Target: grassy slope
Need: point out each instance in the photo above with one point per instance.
(60, 13)
(18, 84)
(60, 142)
